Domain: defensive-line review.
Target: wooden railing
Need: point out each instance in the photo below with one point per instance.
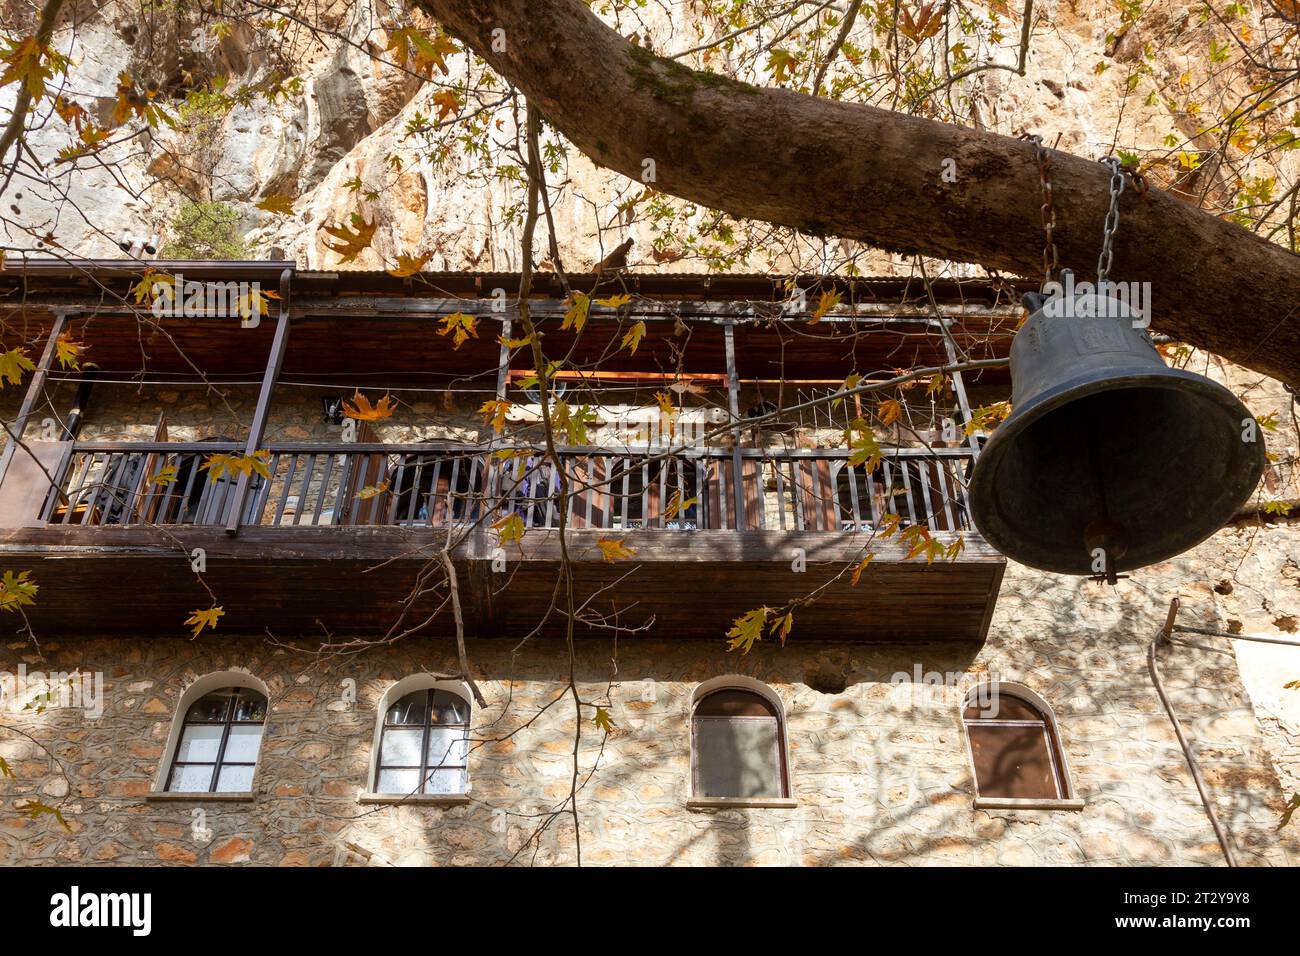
(441, 484)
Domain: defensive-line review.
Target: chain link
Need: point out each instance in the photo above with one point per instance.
(1046, 212)
(1112, 218)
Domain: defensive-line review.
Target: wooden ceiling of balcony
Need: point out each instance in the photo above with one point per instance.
(306, 582)
(370, 328)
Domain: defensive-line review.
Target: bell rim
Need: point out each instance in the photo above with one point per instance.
(1093, 382)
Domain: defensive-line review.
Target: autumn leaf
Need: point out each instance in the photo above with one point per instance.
(602, 720)
(987, 417)
(351, 241)
(360, 409)
(510, 528)
(676, 506)
(890, 411)
(634, 336)
(825, 302)
(280, 205)
(919, 541)
(614, 301)
(749, 627)
(447, 102)
(408, 266)
(17, 590)
(149, 285)
(166, 476)
(956, 548)
(219, 465)
(460, 327)
(494, 410)
(513, 344)
(201, 619)
(862, 566)
(423, 53)
(34, 809)
(613, 549)
(575, 316)
(372, 491)
(889, 524)
(921, 27)
(781, 64)
(4, 768)
(12, 365)
(68, 352)
(863, 447)
(29, 61)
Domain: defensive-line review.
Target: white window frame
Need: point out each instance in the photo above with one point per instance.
(739, 682)
(1055, 750)
(205, 685)
(410, 685)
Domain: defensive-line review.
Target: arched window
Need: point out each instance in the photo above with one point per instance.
(423, 743)
(214, 747)
(1014, 747)
(738, 743)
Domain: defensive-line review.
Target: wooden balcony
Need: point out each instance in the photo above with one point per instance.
(338, 539)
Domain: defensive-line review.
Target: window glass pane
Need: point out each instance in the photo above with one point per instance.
(449, 709)
(401, 747)
(409, 710)
(244, 742)
(737, 757)
(1012, 761)
(200, 742)
(191, 779)
(250, 706)
(734, 703)
(445, 781)
(398, 781)
(1001, 706)
(447, 747)
(210, 706)
(235, 780)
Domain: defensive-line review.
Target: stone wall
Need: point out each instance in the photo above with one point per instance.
(879, 771)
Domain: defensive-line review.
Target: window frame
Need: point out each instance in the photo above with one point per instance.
(218, 680)
(1068, 799)
(747, 685)
(415, 683)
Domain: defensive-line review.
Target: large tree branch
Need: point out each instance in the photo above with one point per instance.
(832, 168)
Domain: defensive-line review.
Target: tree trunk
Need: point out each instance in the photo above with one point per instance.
(869, 174)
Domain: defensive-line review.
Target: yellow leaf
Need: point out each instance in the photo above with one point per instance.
(219, 465)
(747, 629)
(351, 241)
(602, 720)
(864, 447)
(17, 590)
(513, 344)
(634, 336)
(613, 549)
(575, 317)
(408, 266)
(614, 301)
(460, 327)
(890, 411)
(676, 506)
(28, 61)
(12, 365)
(825, 302)
(372, 491)
(201, 619)
(510, 528)
(862, 566)
(361, 410)
(166, 476)
(280, 205)
(494, 410)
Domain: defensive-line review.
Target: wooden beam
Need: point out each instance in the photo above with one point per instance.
(733, 408)
(34, 389)
(258, 427)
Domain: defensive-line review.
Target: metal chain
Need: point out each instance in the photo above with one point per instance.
(1112, 217)
(1046, 212)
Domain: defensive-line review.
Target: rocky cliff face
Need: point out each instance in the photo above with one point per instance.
(341, 141)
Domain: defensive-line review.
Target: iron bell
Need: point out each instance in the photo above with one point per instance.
(1110, 460)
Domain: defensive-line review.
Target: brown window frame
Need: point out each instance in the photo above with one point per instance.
(774, 713)
(1045, 721)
